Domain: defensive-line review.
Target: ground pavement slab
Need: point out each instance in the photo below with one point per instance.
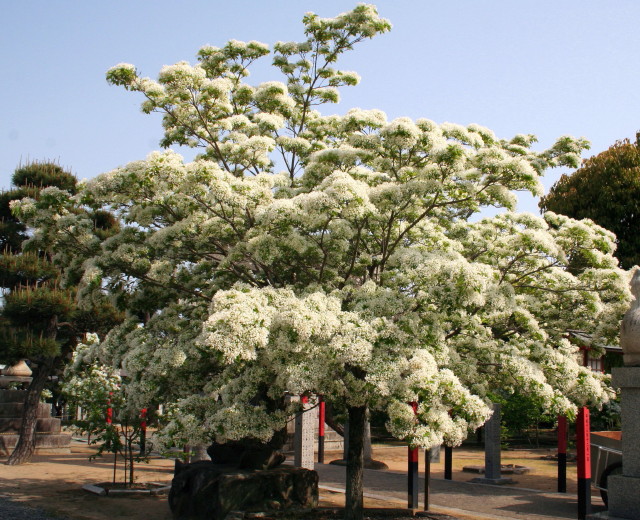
(459, 498)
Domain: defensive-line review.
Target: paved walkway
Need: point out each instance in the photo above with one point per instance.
(457, 498)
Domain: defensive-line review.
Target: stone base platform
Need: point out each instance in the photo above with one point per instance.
(624, 496)
(507, 469)
(46, 443)
(604, 515)
(493, 481)
(49, 438)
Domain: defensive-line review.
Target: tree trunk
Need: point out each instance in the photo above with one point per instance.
(355, 462)
(131, 461)
(27, 441)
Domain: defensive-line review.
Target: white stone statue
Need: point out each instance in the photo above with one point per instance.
(630, 329)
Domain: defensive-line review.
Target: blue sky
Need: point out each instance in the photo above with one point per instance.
(545, 67)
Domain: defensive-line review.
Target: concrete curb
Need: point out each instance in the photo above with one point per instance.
(100, 491)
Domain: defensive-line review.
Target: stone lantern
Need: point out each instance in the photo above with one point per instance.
(20, 369)
(630, 329)
(624, 490)
(49, 437)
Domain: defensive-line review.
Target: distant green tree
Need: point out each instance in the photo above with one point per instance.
(39, 318)
(521, 414)
(606, 189)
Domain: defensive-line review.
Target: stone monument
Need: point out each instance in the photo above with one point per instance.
(492, 460)
(624, 490)
(304, 439)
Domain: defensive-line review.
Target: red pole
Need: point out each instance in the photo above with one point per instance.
(413, 471)
(109, 421)
(562, 454)
(583, 443)
(143, 430)
(109, 411)
(321, 414)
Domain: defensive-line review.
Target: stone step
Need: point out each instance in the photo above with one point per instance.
(45, 443)
(14, 410)
(12, 396)
(43, 425)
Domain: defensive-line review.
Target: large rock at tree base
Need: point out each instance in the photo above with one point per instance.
(246, 456)
(208, 491)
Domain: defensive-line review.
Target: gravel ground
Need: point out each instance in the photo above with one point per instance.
(16, 511)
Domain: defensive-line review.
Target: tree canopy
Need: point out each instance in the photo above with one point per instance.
(33, 298)
(606, 189)
(304, 253)
(40, 320)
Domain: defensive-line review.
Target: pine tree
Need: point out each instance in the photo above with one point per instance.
(39, 319)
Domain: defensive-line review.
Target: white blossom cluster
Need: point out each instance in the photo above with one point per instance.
(91, 385)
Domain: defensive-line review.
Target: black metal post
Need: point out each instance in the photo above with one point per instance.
(448, 462)
(562, 454)
(427, 478)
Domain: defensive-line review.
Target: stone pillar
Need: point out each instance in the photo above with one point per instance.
(624, 490)
(304, 438)
(492, 453)
(492, 463)
(368, 450)
(434, 454)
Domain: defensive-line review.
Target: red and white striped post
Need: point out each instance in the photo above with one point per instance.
(321, 417)
(413, 471)
(562, 454)
(583, 443)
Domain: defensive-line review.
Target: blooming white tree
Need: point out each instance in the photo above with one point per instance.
(310, 254)
(108, 418)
